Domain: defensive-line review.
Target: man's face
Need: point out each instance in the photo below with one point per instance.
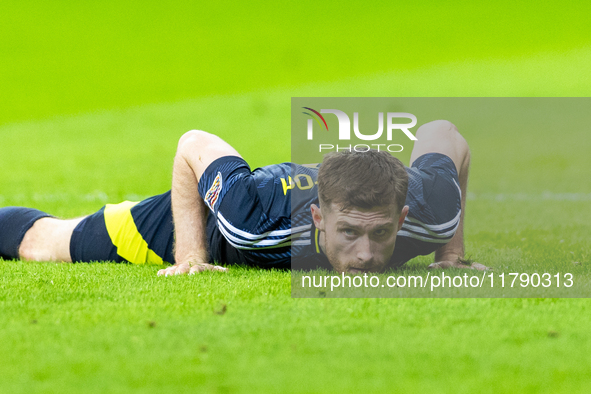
(359, 240)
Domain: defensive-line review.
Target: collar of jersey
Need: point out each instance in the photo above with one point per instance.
(317, 241)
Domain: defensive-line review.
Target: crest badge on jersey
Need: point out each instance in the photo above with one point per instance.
(212, 195)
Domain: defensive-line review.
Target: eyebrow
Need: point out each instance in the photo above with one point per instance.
(345, 223)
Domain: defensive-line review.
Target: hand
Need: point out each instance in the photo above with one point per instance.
(457, 264)
(190, 268)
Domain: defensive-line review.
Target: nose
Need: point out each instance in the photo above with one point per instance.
(363, 250)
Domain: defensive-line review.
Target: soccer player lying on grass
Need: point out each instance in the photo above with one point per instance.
(367, 213)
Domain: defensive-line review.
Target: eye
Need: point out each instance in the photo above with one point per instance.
(348, 232)
(381, 232)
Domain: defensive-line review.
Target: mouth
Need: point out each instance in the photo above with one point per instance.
(374, 269)
(354, 270)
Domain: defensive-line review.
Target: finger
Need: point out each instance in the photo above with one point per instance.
(442, 265)
(196, 269)
(166, 271)
(206, 267)
(175, 270)
(169, 271)
(182, 269)
(480, 267)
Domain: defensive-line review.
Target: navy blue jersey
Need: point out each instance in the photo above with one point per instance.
(256, 215)
(251, 216)
(263, 217)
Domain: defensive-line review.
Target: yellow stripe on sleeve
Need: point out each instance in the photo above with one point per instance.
(125, 235)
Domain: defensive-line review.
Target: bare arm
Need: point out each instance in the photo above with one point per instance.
(451, 255)
(196, 150)
(441, 136)
(189, 213)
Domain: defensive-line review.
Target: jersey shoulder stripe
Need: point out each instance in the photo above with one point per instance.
(270, 239)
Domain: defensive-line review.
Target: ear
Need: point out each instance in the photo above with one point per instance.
(402, 217)
(317, 217)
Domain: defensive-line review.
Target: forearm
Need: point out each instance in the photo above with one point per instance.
(189, 214)
(454, 249)
(196, 151)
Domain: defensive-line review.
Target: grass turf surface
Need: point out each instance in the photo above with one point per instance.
(109, 327)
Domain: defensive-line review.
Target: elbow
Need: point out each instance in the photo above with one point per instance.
(191, 137)
(191, 141)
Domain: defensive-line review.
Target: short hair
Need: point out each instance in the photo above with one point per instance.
(362, 179)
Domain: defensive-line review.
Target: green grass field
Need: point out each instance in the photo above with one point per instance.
(93, 101)
(108, 327)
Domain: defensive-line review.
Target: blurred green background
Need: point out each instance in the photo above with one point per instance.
(66, 57)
